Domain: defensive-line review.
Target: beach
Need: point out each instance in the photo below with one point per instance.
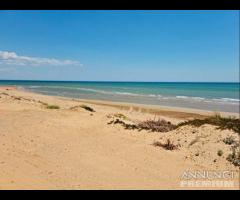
(211, 96)
(74, 148)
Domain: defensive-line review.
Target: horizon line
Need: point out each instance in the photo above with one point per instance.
(122, 81)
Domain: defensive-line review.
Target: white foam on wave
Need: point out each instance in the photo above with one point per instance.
(34, 86)
(198, 98)
(226, 100)
(188, 97)
(229, 99)
(127, 93)
(94, 90)
(182, 97)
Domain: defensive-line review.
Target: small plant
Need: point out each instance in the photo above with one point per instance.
(87, 108)
(83, 106)
(17, 98)
(52, 107)
(120, 115)
(125, 125)
(229, 140)
(234, 157)
(4, 93)
(43, 103)
(117, 115)
(168, 145)
(220, 153)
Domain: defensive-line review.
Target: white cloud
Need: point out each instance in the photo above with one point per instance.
(11, 58)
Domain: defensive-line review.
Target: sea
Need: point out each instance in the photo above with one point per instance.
(211, 96)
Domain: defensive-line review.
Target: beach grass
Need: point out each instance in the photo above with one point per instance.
(87, 108)
(168, 145)
(120, 115)
(230, 123)
(52, 107)
(159, 125)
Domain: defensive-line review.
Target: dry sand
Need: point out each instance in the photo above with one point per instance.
(76, 149)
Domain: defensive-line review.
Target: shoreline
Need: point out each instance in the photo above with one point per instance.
(157, 109)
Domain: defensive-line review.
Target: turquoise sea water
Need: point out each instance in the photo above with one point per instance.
(206, 96)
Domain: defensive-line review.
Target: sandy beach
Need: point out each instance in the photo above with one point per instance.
(72, 148)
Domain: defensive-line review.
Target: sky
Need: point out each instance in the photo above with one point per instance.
(120, 45)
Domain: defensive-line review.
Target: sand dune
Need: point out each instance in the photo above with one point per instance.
(76, 149)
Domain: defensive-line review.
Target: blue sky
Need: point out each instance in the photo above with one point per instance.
(120, 45)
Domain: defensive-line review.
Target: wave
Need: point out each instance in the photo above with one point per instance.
(182, 97)
(157, 96)
(89, 90)
(188, 97)
(198, 98)
(34, 86)
(229, 99)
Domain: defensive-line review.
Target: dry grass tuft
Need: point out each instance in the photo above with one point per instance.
(83, 106)
(222, 123)
(87, 108)
(117, 115)
(234, 157)
(229, 140)
(159, 125)
(52, 107)
(152, 125)
(168, 145)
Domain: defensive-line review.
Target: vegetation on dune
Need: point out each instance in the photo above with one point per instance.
(17, 98)
(120, 115)
(43, 103)
(4, 93)
(220, 153)
(87, 108)
(222, 123)
(152, 125)
(229, 140)
(159, 125)
(124, 124)
(168, 145)
(234, 157)
(52, 107)
(83, 106)
(162, 125)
